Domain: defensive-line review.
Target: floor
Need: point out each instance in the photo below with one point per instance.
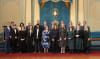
(91, 55)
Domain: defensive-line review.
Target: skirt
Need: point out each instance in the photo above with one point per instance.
(62, 43)
(79, 44)
(45, 44)
(71, 44)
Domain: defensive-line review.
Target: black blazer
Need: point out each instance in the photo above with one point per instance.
(80, 32)
(28, 34)
(13, 34)
(39, 33)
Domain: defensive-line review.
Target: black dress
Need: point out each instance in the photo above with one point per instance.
(54, 35)
(22, 43)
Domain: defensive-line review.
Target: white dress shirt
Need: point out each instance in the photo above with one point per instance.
(30, 32)
(37, 32)
(8, 28)
(15, 31)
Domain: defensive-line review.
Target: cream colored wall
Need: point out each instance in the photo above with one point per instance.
(81, 12)
(12, 10)
(36, 11)
(89, 10)
(28, 11)
(73, 13)
(93, 14)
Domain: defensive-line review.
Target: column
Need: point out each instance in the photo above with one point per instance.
(36, 12)
(73, 12)
(28, 11)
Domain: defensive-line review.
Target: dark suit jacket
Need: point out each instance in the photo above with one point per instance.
(27, 28)
(54, 34)
(13, 34)
(39, 33)
(30, 36)
(7, 33)
(80, 32)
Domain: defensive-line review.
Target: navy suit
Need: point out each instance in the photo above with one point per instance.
(7, 38)
(27, 28)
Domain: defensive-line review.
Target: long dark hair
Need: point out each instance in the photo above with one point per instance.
(21, 24)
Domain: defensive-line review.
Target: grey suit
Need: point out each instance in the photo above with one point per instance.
(62, 35)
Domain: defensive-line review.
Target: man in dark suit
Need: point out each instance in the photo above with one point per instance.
(14, 38)
(86, 38)
(7, 31)
(27, 27)
(37, 37)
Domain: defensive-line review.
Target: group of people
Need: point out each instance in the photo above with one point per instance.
(44, 38)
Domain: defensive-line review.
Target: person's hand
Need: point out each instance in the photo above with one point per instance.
(64, 38)
(60, 39)
(15, 37)
(69, 38)
(89, 39)
(10, 37)
(22, 39)
(53, 40)
(77, 35)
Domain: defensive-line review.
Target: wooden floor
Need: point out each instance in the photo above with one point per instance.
(67, 57)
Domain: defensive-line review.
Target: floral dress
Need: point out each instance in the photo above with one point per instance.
(46, 40)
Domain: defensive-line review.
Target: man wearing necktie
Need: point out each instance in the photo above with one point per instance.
(7, 38)
(37, 37)
(14, 38)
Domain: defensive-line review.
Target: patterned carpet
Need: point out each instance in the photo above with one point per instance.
(95, 53)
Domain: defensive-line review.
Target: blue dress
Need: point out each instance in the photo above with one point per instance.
(45, 40)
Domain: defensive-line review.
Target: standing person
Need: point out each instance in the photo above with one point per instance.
(71, 40)
(45, 24)
(7, 38)
(37, 37)
(12, 23)
(62, 22)
(86, 38)
(81, 27)
(52, 26)
(14, 38)
(62, 38)
(54, 36)
(28, 26)
(21, 25)
(71, 25)
(46, 39)
(78, 39)
(22, 40)
(29, 40)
